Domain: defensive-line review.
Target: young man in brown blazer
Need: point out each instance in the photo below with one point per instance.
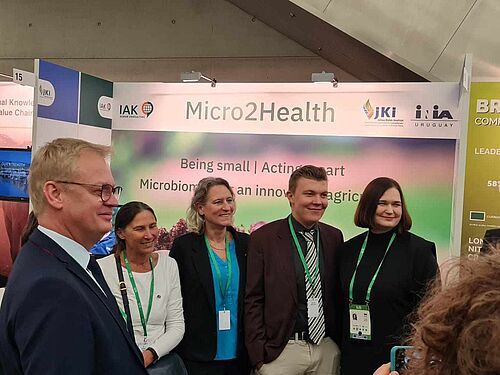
(290, 318)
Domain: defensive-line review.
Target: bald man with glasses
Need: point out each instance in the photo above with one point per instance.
(58, 315)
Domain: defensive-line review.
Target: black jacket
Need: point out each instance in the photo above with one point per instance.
(198, 296)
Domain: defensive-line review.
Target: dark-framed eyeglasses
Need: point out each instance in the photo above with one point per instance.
(106, 190)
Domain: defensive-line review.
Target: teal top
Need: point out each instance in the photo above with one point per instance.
(226, 300)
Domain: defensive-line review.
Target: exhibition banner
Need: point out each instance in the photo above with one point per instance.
(71, 104)
(167, 137)
(96, 99)
(16, 115)
(481, 210)
(58, 91)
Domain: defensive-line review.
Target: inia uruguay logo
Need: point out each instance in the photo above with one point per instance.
(433, 118)
(435, 114)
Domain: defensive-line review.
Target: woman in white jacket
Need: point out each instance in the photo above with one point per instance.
(151, 280)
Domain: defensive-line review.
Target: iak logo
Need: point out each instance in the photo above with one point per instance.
(435, 114)
(143, 110)
(128, 110)
(105, 106)
(147, 108)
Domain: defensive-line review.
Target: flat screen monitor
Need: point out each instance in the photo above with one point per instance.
(14, 169)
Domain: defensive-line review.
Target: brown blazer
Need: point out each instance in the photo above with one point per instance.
(271, 292)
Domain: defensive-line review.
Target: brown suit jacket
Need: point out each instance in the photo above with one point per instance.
(271, 292)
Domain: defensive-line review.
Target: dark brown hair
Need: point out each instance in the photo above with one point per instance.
(124, 217)
(30, 226)
(307, 171)
(365, 213)
(457, 330)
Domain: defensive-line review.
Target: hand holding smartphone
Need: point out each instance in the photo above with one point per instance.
(401, 357)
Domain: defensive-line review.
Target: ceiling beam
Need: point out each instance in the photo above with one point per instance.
(327, 41)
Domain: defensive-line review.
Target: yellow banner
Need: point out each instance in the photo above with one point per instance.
(482, 177)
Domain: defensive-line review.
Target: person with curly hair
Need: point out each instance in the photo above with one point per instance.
(457, 331)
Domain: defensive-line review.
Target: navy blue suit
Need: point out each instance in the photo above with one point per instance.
(54, 318)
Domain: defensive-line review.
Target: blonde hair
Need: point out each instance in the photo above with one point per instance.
(57, 160)
(195, 222)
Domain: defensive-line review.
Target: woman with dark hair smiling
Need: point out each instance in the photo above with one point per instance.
(383, 275)
(151, 302)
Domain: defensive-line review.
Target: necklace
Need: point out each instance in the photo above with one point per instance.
(217, 248)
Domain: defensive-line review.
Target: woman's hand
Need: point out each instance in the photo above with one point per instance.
(148, 357)
(385, 370)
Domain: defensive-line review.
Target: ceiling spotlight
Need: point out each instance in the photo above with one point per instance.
(324, 77)
(193, 76)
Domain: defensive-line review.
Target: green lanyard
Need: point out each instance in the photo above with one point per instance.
(137, 297)
(363, 247)
(211, 253)
(301, 255)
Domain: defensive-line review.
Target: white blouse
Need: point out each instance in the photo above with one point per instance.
(165, 327)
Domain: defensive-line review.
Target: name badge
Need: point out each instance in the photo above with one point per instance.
(313, 307)
(144, 344)
(360, 327)
(224, 320)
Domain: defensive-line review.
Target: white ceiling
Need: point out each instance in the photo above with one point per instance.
(430, 37)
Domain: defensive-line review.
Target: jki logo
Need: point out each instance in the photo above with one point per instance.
(380, 112)
(385, 112)
(126, 109)
(435, 114)
(43, 91)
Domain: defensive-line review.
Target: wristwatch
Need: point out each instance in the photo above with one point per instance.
(155, 355)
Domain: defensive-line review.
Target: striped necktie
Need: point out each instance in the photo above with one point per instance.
(316, 325)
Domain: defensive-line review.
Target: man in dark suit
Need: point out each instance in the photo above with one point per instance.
(58, 315)
(290, 322)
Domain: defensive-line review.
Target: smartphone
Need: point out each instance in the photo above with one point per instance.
(401, 356)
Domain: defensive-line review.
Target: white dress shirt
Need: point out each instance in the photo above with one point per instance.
(73, 248)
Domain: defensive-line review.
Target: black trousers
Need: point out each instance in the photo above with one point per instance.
(170, 364)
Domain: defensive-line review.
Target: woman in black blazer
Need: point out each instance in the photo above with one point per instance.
(383, 275)
(212, 269)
